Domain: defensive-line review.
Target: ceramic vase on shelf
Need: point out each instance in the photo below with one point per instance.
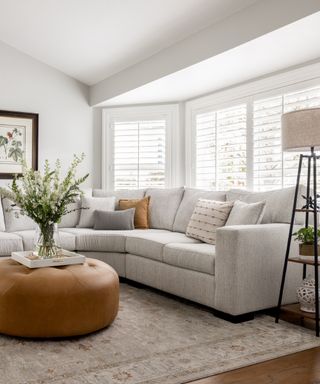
(306, 295)
(47, 241)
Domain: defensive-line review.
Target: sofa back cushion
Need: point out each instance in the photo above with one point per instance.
(188, 203)
(278, 203)
(2, 224)
(127, 194)
(163, 206)
(14, 221)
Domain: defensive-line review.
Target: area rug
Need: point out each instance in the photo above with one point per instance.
(154, 340)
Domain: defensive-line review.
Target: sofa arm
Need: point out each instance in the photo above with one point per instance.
(248, 268)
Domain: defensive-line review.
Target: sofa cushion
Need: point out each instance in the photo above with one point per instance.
(189, 200)
(10, 242)
(163, 206)
(67, 240)
(87, 239)
(197, 257)
(121, 194)
(14, 221)
(2, 224)
(278, 203)
(150, 243)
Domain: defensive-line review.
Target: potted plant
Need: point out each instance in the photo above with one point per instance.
(305, 236)
(45, 198)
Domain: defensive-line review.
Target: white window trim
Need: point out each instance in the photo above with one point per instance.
(169, 112)
(290, 81)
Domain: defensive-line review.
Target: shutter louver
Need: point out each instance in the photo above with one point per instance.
(139, 154)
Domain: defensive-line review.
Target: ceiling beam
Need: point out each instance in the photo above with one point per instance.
(252, 22)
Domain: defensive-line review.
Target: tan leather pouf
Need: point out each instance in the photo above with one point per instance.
(57, 301)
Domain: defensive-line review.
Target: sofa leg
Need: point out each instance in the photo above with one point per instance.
(233, 319)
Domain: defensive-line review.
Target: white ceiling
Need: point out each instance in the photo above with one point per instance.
(93, 39)
(291, 45)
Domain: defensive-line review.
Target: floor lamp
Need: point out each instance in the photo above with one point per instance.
(301, 132)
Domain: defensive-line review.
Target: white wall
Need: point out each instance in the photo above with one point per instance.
(65, 117)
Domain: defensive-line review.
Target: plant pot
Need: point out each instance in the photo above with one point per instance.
(307, 249)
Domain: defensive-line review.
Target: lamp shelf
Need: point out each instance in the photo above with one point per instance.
(294, 309)
(306, 210)
(303, 261)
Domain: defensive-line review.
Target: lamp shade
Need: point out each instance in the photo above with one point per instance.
(301, 130)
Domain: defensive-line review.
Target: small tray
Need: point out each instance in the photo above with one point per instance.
(30, 260)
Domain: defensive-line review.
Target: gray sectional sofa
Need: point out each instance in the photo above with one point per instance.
(239, 275)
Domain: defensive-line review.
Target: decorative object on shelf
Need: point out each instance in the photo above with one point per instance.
(311, 203)
(45, 199)
(18, 142)
(301, 131)
(305, 236)
(65, 257)
(306, 295)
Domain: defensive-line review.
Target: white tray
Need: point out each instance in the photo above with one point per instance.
(30, 260)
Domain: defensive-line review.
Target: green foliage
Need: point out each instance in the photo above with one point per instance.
(44, 197)
(306, 235)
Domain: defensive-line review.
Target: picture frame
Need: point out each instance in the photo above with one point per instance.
(18, 141)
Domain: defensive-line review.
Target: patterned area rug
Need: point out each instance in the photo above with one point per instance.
(154, 340)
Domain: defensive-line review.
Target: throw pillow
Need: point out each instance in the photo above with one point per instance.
(141, 216)
(71, 219)
(207, 217)
(116, 220)
(14, 221)
(244, 214)
(91, 204)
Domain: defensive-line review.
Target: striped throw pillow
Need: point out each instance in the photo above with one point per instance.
(208, 215)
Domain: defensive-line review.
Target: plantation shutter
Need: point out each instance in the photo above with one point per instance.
(267, 168)
(231, 148)
(272, 168)
(139, 154)
(206, 150)
(221, 149)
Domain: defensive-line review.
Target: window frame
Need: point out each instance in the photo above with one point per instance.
(276, 85)
(168, 112)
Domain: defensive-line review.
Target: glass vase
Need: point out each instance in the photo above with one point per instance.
(47, 241)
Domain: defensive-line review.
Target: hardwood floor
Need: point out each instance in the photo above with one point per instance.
(298, 368)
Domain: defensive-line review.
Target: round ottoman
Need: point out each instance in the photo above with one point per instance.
(57, 301)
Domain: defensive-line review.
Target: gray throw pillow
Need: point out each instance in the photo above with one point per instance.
(245, 214)
(116, 220)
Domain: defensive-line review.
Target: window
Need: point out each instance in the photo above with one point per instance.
(272, 168)
(240, 146)
(221, 148)
(137, 147)
(139, 154)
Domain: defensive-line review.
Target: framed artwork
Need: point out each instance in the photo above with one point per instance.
(18, 141)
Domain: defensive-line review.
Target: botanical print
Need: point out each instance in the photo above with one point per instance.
(12, 143)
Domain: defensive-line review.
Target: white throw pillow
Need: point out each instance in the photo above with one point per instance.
(71, 219)
(14, 221)
(245, 214)
(94, 204)
(208, 215)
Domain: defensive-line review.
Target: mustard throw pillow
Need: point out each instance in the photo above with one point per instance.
(141, 216)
